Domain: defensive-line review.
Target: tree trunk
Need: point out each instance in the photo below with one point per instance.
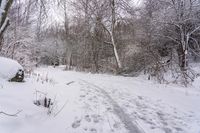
(4, 21)
(1, 43)
(183, 51)
(119, 64)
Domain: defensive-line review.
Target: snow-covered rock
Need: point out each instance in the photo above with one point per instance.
(9, 68)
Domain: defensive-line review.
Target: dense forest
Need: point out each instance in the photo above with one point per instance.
(160, 38)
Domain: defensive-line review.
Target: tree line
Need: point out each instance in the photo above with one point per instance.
(160, 38)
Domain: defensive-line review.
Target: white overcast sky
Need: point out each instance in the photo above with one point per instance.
(56, 15)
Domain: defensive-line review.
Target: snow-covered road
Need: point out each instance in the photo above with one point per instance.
(95, 103)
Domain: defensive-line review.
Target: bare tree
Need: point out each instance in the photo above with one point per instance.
(4, 21)
(111, 31)
(183, 24)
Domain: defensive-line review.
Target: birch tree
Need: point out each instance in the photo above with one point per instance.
(110, 28)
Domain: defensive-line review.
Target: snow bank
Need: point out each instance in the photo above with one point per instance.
(8, 68)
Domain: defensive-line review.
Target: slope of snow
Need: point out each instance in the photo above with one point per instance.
(8, 68)
(95, 103)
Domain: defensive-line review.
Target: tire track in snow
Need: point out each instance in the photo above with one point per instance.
(125, 119)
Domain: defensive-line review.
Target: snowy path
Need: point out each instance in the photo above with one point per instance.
(98, 104)
(132, 128)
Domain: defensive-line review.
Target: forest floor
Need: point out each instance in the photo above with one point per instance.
(97, 103)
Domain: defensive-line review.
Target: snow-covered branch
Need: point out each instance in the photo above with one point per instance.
(196, 29)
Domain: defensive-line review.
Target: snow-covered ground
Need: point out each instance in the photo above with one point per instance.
(96, 103)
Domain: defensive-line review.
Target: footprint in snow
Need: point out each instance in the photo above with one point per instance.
(116, 125)
(96, 118)
(87, 118)
(93, 130)
(82, 96)
(76, 124)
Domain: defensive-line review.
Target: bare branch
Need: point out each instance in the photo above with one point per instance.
(196, 29)
(13, 115)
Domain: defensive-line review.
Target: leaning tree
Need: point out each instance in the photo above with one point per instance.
(4, 21)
